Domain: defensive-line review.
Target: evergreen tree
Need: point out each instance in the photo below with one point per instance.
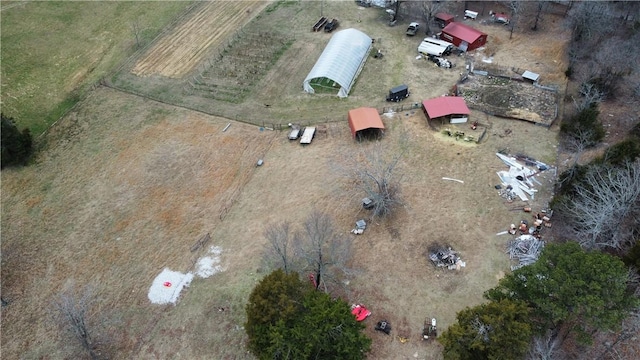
(288, 319)
(16, 145)
(495, 330)
(567, 285)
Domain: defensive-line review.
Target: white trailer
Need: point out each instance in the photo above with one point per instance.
(428, 48)
(445, 44)
(307, 135)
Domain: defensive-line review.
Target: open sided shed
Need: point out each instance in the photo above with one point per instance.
(464, 37)
(443, 19)
(365, 122)
(453, 108)
(340, 63)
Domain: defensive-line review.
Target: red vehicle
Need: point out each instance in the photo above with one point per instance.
(360, 312)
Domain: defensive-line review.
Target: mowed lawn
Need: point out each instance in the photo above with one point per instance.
(51, 50)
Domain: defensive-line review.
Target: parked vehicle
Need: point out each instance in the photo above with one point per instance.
(398, 93)
(331, 25)
(468, 14)
(412, 29)
(500, 18)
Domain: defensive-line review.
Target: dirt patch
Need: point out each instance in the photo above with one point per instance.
(516, 99)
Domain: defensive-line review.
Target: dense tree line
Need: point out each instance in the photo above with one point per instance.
(567, 292)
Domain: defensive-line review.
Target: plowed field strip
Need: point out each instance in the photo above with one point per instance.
(181, 50)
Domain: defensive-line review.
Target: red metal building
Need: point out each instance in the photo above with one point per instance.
(464, 37)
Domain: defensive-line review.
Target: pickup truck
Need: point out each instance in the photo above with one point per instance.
(412, 29)
(331, 25)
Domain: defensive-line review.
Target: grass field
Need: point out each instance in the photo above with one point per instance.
(53, 50)
(127, 185)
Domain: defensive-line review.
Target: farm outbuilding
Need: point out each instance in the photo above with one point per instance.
(464, 37)
(340, 63)
(443, 19)
(453, 108)
(365, 122)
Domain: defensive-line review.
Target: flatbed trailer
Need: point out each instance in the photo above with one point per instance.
(307, 135)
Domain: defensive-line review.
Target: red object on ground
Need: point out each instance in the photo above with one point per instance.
(360, 312)
(167, 284)
(312, 278)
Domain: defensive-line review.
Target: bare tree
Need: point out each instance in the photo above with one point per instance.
(374, 172)
(429, 10)
(324, 252)
(627, 336)
(135, 28)
(540, 7)
(515, 7)
(590, 95)
(545, 347)
(279, 252)
(74, 314)
(590, 20)
(605, 206)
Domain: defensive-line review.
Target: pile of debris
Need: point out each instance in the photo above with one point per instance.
(519, 179)
(360, 226)
(525, 249)
(446, 257)
(441, 62)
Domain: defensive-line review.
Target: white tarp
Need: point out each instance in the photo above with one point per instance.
(341, 61)
(166, 287)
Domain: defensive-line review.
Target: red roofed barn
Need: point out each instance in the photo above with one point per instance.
(464, 37)
(365, 122)
(453, 107)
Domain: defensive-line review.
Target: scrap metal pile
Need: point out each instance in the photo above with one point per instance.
(519, 179)
(446, 257)
(525, 249)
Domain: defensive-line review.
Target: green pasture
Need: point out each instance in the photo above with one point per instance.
(53, 50)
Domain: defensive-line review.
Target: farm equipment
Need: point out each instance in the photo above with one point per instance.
(360, 312)
(412, 29)
(319, 24)
(430, 331)
(384, 326)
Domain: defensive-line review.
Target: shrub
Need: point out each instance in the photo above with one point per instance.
(16, 145)
(584, 126)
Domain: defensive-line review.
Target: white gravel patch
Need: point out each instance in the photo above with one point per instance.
(210, 265)
(167, 286)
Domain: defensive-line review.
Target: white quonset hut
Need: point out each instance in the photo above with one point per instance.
(340, 63)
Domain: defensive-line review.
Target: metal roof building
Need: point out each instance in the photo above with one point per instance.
(365, 121)
(464, 37)
(453, 106)
(340, 63)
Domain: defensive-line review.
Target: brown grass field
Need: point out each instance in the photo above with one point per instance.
(127, 185)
